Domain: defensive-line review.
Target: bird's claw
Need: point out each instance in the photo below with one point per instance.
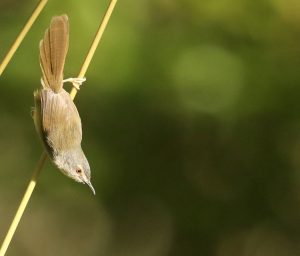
(77, 81)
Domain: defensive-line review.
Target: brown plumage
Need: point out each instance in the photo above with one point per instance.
(55, 115)
(53, 51)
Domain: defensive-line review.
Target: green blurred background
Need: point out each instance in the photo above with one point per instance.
(191, 124)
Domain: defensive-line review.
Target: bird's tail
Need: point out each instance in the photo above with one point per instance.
(53, 51)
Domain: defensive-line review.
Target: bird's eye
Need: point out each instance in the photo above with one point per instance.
(78, 171)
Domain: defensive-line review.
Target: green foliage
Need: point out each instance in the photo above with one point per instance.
(190, 122)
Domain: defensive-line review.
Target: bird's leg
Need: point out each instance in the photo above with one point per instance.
(77, 81)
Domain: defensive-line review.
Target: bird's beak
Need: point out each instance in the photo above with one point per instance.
(86, 181)
(91, 186)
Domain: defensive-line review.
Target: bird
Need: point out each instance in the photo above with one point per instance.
(55, 115)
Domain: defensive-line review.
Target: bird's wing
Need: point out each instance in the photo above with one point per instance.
(60, 121)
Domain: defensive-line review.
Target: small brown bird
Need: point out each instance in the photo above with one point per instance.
(55, 115)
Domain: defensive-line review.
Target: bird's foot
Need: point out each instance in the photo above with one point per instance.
(77, 81)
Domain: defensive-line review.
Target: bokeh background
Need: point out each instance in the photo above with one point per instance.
(191, 123)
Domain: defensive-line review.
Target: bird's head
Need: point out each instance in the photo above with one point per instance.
(74, 164)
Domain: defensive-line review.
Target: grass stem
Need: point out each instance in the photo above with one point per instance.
(94, 44)
(22, 34)
(23, 204)
(43, 157)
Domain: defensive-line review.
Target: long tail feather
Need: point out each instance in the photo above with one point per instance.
(53, 51)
